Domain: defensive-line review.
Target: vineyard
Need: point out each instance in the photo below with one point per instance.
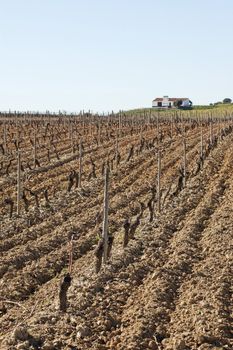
(116, 231)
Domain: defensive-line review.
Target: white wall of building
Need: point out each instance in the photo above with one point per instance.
(166, 103)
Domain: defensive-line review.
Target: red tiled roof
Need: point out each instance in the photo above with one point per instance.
(173, 99)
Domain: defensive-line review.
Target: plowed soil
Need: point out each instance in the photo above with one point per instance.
(170, 288)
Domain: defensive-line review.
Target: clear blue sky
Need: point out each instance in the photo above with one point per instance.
(113, 54)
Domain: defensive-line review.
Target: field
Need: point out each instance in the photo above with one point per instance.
(161, 276)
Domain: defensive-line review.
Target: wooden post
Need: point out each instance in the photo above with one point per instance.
(99, 132)
(182, 124)
(158, 182)
(211, 131)
(185, 161)
(5, 138)
(201, 141)
(219, 126)
(17, 136)
(18, 182)
(72, 138)
(80, 163)
(90, 126)
(83, 122)
(141, 133)
(120, 124)
(157, 124)
(34, 150)
(116, 151)
(105, 212)
(171, 126)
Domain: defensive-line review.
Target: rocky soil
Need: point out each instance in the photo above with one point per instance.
(170, 288)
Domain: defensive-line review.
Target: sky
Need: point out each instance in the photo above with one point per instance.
(104, 55)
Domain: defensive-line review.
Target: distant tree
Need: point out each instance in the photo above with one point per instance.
(178, 103)
(227, 100)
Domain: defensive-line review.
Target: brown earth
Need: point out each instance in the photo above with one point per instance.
(170, 288)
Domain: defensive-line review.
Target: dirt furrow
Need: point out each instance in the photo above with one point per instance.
(54, 242)
(140, 272)
(202, 317)
(158, 295)
(153, 270)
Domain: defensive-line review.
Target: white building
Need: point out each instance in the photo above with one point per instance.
(171, 102)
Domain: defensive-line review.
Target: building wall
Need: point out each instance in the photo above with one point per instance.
(165, 103)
